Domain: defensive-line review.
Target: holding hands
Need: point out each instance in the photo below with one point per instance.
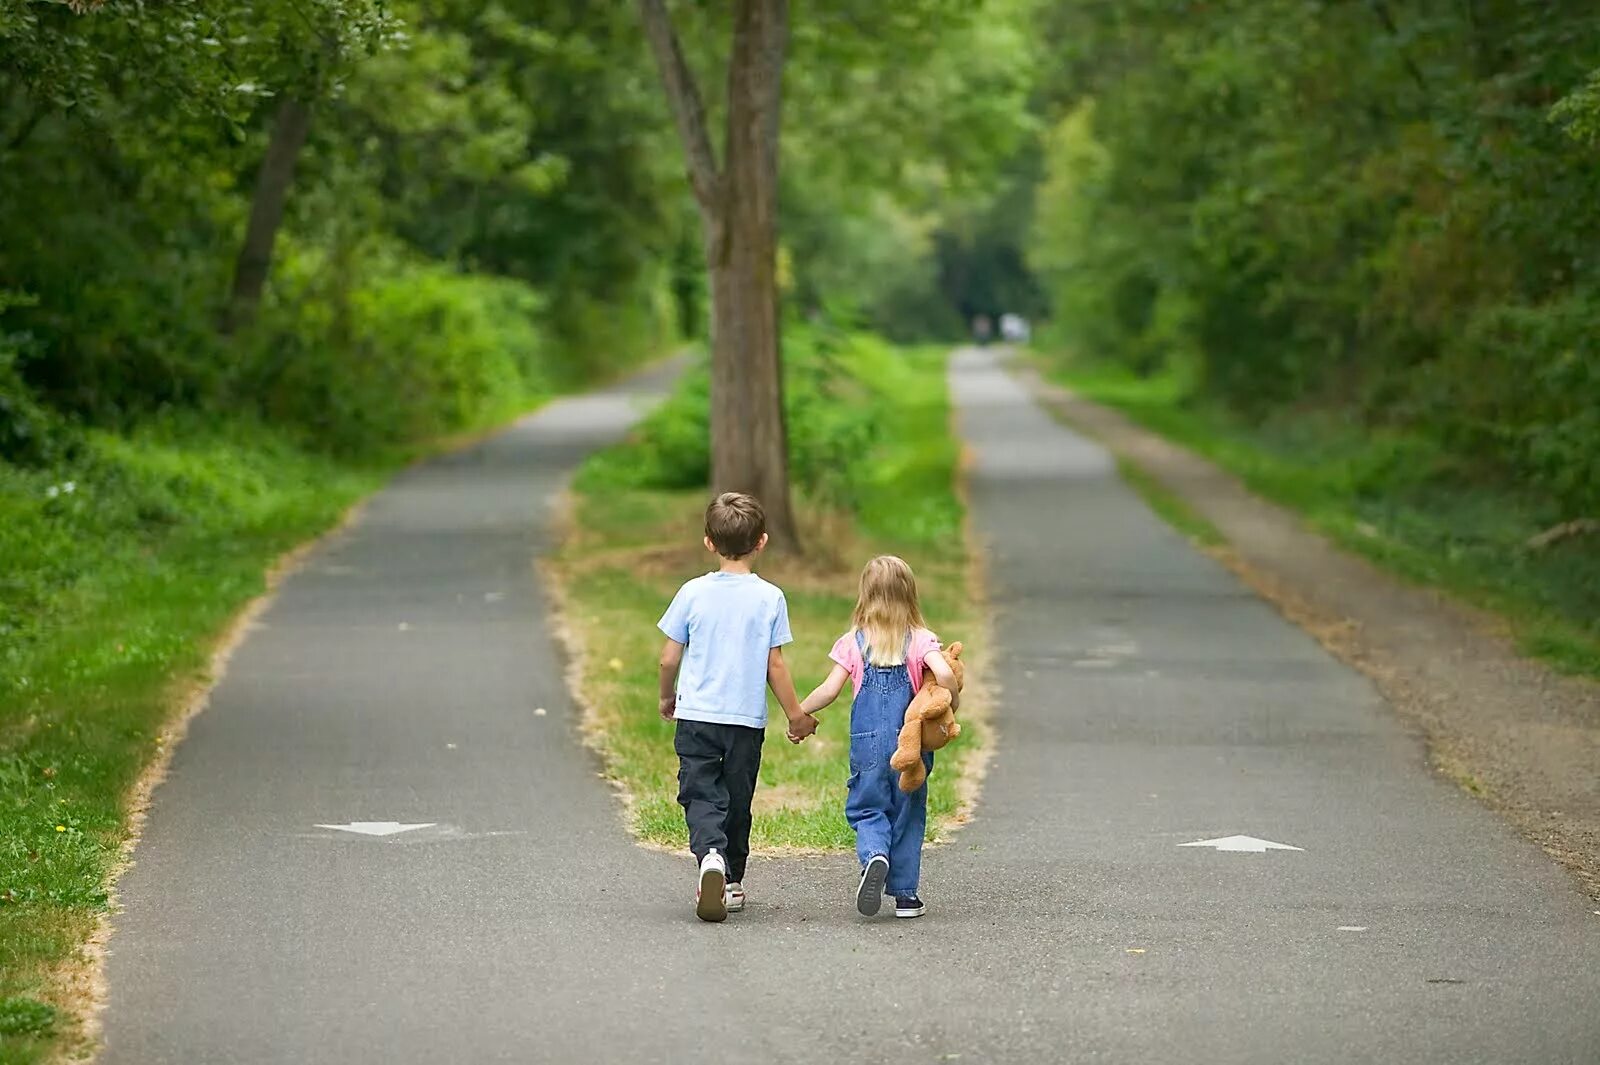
(800, 727)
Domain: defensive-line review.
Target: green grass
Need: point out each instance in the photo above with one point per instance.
(632, 546)
(1397, 498)
(1170, 506)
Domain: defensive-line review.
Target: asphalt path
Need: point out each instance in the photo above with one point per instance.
(1147, 701)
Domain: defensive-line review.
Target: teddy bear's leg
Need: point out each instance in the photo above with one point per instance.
(909, 750)
(939, 731)
(913, 778)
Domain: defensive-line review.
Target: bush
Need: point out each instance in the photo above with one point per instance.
(25, 1016)
(30, 433)
(412, 353)
(841, 389)
(1522, 390)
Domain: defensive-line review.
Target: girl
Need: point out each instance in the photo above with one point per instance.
(883, 656)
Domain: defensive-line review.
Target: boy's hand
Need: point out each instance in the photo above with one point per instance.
(801, 727)
(668, 707)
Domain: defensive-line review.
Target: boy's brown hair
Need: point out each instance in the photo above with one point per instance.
(735, 524)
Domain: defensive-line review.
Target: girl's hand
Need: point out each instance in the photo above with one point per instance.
(668, 707)
(801, 727)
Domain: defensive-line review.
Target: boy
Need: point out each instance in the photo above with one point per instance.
(725, 633)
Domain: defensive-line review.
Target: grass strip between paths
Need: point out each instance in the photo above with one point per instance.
(629, 548)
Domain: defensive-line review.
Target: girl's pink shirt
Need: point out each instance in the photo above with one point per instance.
(847, 654)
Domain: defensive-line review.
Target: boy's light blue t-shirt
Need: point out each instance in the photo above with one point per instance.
(728, 623)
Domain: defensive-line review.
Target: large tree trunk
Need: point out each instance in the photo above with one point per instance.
(289, 130)
(749, 444)
(739, 212)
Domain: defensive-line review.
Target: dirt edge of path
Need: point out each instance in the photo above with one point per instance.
(1515, 734)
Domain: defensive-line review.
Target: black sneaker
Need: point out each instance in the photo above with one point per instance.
(869, 893)
(908, 906)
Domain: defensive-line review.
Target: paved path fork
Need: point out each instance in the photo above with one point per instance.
(1147, 702)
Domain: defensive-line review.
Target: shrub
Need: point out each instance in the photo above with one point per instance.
(1522, 390)
(839, 388)
(411, 353)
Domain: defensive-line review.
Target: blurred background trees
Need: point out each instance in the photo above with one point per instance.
(1387, 210)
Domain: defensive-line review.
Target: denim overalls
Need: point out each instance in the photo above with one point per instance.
(887, 821)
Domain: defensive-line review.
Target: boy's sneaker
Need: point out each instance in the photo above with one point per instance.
(734, 894)
(908, 906)
(710, 904)
(869, 893)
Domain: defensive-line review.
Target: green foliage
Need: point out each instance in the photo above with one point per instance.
(25, 1016)
(847, 397)
(413, 353)
(1579, 111)
(898, 121)
(1372, 209)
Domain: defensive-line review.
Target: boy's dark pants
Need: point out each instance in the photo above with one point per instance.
(717, 767)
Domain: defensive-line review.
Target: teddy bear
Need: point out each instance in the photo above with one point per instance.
(930, 724)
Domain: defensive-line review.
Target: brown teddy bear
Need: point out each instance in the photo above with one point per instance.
(930, 724)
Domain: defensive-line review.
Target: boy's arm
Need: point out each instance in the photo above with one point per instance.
(825, 693)
(945, 676)
(671, 659)
(801, 724)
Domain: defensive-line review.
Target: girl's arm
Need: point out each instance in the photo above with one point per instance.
(826, 692)
(945, 676)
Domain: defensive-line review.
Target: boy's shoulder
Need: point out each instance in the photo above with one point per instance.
(735, 586)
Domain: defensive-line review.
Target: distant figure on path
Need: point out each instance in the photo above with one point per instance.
(725, 633)
(982, 329)
(1014, 329)
(883, 657)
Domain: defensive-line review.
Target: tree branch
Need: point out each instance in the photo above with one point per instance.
(1381, 9)
(684, 97)
(25, 130)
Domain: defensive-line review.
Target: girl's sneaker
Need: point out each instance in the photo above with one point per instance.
(710, 904)
(869, 893)
(734, 896)
(908, 906)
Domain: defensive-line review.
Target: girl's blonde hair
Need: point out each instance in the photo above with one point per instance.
(887, 610)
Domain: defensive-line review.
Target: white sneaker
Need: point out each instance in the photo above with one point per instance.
(710, 904)
(734, 896)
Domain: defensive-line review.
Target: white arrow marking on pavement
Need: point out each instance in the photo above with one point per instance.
(378, 828)
(1241, 843)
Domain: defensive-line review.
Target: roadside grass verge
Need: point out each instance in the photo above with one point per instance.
(631, 544)
(1394, 497)
(1169, 506)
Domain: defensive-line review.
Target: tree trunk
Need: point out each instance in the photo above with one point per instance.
(739, 216)
(749, 442)
(289, 131)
